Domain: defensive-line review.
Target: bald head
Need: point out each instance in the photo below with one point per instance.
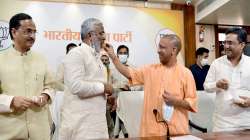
(169, 47)
(175, 40)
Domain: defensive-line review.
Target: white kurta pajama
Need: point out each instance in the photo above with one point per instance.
(228, 116)
(24, 75)
(84, 105)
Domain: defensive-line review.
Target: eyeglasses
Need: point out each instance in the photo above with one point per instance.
(28, 32)
(102, 33)
(230, 43)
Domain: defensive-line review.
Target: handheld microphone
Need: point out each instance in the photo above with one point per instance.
(156, 114)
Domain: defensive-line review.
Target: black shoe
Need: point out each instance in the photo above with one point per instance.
(117, 136)
(126, 135)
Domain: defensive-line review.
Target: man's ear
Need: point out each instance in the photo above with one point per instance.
(243, 45)
(175, 50)
(198, 57)
(13, 32)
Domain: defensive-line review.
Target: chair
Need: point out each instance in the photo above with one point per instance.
(202, 120)
(193, 125)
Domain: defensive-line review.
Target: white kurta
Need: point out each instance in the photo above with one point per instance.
(84, 105)
(24, 75)
(228, 116)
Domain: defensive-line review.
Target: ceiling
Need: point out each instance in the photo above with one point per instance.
(169, 1)
(184, 1)
(234, 12)
(103, 1)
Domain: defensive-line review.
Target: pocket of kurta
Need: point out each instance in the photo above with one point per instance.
(38, 83)
(39, 77)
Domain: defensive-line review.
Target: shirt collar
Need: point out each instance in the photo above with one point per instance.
(16, 52)
(242, 59)
(92, 50)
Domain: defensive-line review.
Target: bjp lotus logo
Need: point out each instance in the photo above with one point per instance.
(5, 40)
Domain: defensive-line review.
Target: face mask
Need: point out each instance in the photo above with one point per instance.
(123, 58)
(204, 62)
(167, 111)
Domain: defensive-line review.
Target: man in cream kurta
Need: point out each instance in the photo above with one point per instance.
(24, 76)
(84, 106)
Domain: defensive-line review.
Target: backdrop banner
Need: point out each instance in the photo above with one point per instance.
(59, 24)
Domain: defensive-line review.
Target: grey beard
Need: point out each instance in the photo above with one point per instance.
(97, 46)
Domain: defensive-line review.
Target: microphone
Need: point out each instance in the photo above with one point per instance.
(156, 114)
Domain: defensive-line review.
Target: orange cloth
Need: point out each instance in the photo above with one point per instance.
(156, 78)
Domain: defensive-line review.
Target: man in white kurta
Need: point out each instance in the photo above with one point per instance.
(84, 105)
(26, 86)
(230, 79)
(121, 83)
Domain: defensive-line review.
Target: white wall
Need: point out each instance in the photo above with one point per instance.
(209, 40)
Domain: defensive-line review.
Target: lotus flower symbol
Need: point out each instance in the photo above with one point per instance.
(4, 34)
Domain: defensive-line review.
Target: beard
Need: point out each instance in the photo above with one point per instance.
(96, 44)
(229, 54)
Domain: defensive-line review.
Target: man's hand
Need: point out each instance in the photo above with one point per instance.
(126, 88)
(223, 84)
(111, 100)
(109, 49)
(173, 101)
(41, 100)
(114, 106)
(245, 103)
(108, 89)
(20, 103)
(169, 99)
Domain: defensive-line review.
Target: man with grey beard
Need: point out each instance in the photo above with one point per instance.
(84, 105)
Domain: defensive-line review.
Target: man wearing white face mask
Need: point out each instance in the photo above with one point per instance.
(201, 67)
(123, 53)
(120, 83)
(118, 80)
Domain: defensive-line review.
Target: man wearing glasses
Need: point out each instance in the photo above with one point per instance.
(26, 85)
(229, 77)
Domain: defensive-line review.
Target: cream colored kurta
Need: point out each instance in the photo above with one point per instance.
(84, 106)
(60, 78)
(24, 75)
